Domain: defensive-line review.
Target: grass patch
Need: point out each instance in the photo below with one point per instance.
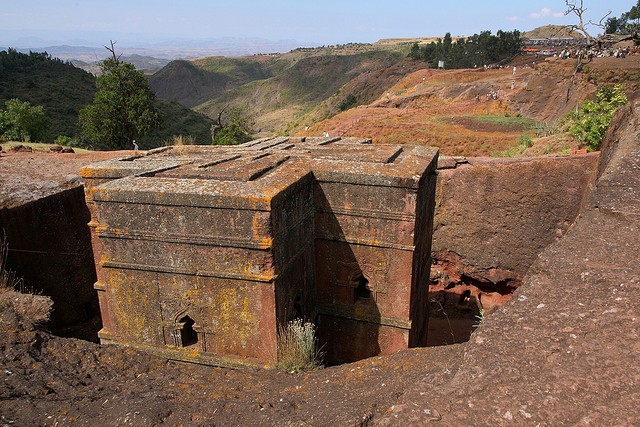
(490, 123)
(512, 122)
(297, 347)
(525, 141)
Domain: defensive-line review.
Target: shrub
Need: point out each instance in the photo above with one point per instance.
(545, 129)
(64, 140)
(589, 123)
(297, 347)
(525, 141)
(179, 140)
(236, 130)
(349, 102)
(21, 121)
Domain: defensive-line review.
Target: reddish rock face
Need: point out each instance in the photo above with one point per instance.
(492, 219)
(203, 251)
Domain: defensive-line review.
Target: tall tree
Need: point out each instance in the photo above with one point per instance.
(634, 16)
(614, 25)
(122, 110)
(446, 44)
(414, 53)
(22, 122)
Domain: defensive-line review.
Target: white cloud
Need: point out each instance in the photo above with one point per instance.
(512, 18)
(545, 12)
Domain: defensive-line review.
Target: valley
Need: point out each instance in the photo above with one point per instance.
(374, 91)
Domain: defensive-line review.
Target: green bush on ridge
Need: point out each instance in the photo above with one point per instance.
(589, 123)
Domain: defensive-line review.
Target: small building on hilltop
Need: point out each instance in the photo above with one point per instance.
(203, 251)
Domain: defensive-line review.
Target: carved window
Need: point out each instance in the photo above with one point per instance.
(362, 290)
(188, 336)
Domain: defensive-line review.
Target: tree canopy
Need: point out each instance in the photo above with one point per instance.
(20, 121)
(236, 130)
(122, 109)
(477, 50)
(59, 87)
(627, 23)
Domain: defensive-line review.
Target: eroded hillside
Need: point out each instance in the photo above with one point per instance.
(377, 93)
(471, 112)
(274, 91)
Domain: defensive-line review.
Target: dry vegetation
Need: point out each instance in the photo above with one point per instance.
(447, 109)
(179, 140)
(30, 308)
(297, 347)
(36, 146)
(451, 110)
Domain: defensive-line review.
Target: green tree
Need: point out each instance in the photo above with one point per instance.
(122, 109)
(614, 25)
(349, 102)
(634, 16)
(627, 23)
(469, 52)
(590, 123)
(236, 130)
(446, 44)
(22, 122)
(415, 51)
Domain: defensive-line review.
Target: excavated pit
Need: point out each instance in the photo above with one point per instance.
(492, 218)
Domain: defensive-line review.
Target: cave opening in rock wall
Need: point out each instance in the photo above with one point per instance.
(458, 303)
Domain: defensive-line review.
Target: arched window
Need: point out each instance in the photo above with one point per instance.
(362, 291)
(188, 336)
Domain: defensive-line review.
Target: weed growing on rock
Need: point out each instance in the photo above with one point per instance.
(180, 140)
(297, 347)
(8, 279)
(479, 317)
(34, 309)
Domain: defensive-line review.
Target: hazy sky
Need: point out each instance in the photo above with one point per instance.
(317, 21)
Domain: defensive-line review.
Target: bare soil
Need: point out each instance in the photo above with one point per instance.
(432, 106)
(47, 380)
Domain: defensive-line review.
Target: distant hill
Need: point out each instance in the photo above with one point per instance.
(194, 82)
(275, 91)
(58, 86)
(93, 50)
(551, 31)
(63, 89)
(176, 120)
(148, 64)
